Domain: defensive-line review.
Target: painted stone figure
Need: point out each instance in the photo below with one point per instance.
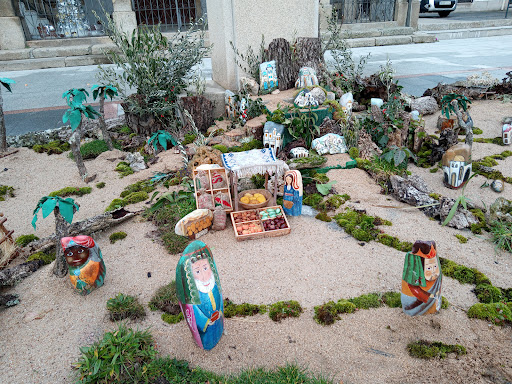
(292, 197)
(86, 267)
(457, 165)
(268, 77)
(506, 133)
(200, 294)
(421, 280)
(307, 78)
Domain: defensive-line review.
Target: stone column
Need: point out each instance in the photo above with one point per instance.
(401, 7)
(415, 14)
(244, 21)
(124, 16)
(11, 31)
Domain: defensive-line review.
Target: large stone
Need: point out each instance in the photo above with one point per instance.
(426, 105)
(250, 84)
(462, 218)
(408, 191)
(319, 95)
(11, 33)
(501, 210)
(136, 161)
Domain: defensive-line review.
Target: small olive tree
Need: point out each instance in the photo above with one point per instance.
(6, 83)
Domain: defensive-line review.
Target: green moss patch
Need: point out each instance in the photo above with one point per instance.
(496, 313)
(487, 293)
(392, 299)
(323, 216)
(125, 307)
(132, 198)
(444, 303)
(166, 299)
(24, 240)
(139, 186)
(477, 131)
(172, 319)
(463, 274)
(312, 161)
(117, 236)
(371, 300)
(6, 190)
(283, 309)
(462, 239)
(124, 169)
(394, 242)
(313, 200)
(45, 257)
(353, 152)
(328, 313)
(496, 140)
(53, 147)
(71, 191)
(334, 202)
(231, 309)
(423, 349)
(100, 185)
(94, 148)
(221, 148)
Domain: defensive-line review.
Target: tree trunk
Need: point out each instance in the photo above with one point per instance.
(60, 268)
(103, 126)
(201, 110)
(3, 133)
(309, 54)
(287, 69)
(74, 140)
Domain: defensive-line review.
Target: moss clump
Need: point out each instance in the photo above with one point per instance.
(100, 185)
(435, 196)
(174, 243)
(392, 299)
(394, 242)
(231, 309)
(283, 309)
(444, 303)
(117, 236)
(115, 204)
(46, 258)
(253, 144)
(496, 313)
(328, 313)
(139, 186)
(172, 319)
(124, 169)
(434, 170)
(53, 147)
(477, 131)
(24, 240)
(477, 228)
(125, 129)
(334, 202)
(166, 299)
(313, 200)
(136, 197)
(496, 140)
(312, 161)
(462, 239)
(353, 152)
(422, 349)
(6, 190)
(71, 191)
(357, 224)
(321, 178)
(487, 293)
(189, 138)
(487, 161)
(323, 216)
(94, 148)
(463, 274)
(371, 300)
(125, 307)
(221, 148)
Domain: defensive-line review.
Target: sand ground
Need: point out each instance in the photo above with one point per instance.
(315, 263)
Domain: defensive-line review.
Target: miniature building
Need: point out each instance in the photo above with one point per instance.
(507, 134)
(268, 76)
(299, 152)
(457, 165)
(273, 136)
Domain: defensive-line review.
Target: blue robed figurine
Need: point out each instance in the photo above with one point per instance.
(292, 197)
(200, 294)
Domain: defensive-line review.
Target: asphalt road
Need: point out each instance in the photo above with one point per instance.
(417, 67)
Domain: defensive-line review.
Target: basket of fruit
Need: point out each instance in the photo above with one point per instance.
(254, 198)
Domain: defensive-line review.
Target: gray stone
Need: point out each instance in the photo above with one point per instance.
(136, 161)
(426, 105)
(331, 96)
(500, 210)
(319, 95)
(250, 84)
(392, 40)
(78, 50)
(462, 218)
(406, 191)
(423, 38)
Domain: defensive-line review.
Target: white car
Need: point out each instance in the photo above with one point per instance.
(443, 7)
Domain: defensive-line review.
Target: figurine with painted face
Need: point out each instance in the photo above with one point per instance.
(421, 280)
(292, 197)
(85, 262)
(200, 294)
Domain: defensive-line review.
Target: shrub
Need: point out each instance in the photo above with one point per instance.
(117, 236)
(125, 307)
(24, 240)
(71, 191)
(431, 349)
(116, 358)
(94, 148)
(283, 309)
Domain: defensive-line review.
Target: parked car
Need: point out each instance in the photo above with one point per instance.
(443, 7)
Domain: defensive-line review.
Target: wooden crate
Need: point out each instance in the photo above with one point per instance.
(211, 191)
(260, 235)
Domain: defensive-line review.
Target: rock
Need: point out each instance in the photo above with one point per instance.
(331, 96)
(497, 186)
(136, 161)
(250, 84)
(276, 92)
(329, 126)
(319, 95)
(236, 134)
(419, 138)
(501, 209)
(112, 156)
(426, 105)
(313, 161)
(367, 148)
(414, 191)
(420, 184)
(462, 218)
(330, 143)
(305, 99)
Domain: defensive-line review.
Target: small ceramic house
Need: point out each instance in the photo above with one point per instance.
(457, 165)
(268, 76)
(507, 134)
(305, 99)
(299, 152)
(273, 136)
(307, 78)
(330, 143)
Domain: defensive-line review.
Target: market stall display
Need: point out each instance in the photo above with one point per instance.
(211, 188)
(259, 223)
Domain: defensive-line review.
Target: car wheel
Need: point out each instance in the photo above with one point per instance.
(444, 13)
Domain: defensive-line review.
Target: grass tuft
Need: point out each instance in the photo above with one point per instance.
(125, 307)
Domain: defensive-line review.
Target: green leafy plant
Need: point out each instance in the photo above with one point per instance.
(399, 156)
(447, 107)
(161, 137)
(6, 83)
(117, 358)
(125, 307)
(250, 61)
(303, 125)
(502, 234)
(324, 189)
(462, 200)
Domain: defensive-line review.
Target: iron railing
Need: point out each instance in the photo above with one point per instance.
(172, 15)
(364, 11)
(53, 19)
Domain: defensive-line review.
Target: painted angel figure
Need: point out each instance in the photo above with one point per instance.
(85, 262)
(200, 294)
